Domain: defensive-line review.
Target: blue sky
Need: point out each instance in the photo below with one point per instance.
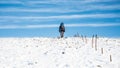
(41, 18)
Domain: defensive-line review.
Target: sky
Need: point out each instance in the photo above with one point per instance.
(41, 18)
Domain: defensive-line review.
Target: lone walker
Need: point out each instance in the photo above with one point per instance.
(62, 29)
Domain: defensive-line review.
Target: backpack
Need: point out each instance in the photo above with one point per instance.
(62, 28)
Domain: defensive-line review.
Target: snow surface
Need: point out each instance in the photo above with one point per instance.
(59, 53)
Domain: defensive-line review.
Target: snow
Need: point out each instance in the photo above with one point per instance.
(73, 52)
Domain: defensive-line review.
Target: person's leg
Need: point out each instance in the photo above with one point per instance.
(62, 34)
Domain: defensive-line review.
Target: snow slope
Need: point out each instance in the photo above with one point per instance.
(59, 53)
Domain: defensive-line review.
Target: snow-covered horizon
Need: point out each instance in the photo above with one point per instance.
(70, 52)
(74, 36)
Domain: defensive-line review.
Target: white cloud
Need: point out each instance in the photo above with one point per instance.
(93, 25)
(10, 2)
(62, 16)
(62, 8)
(57, 25)
(39, 10)
(89, 1)
(27, 26)
(68, 1)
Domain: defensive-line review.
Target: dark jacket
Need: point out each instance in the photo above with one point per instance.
(62, 27)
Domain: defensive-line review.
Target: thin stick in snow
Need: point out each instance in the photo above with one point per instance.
(85, 39)
(82, 38)
(110, 58)
(96, 42)
(92, 40)
(102, 50)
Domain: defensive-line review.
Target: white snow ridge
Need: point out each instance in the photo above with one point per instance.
(73, 52)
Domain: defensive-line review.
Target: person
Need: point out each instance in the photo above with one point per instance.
(62, 30)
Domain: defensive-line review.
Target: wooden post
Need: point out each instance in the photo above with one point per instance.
(85, 39)
(110, 58)
(96, 42)
(82, 38)
(102, 50)
(92, 40)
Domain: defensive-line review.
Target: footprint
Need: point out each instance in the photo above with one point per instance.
(67, 65)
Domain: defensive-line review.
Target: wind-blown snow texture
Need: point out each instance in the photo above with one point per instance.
(58, 53)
